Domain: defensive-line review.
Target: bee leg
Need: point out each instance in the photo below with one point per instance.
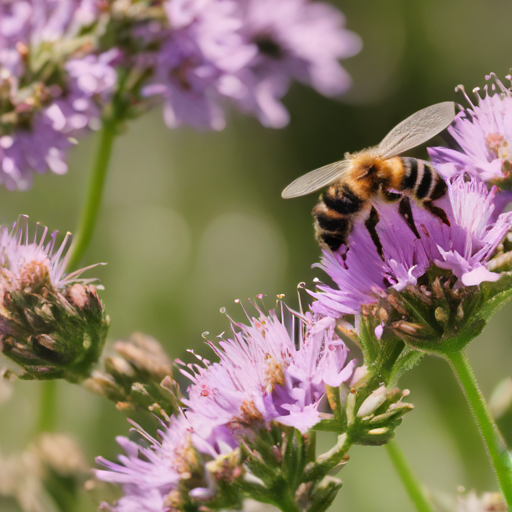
(333, 240)
(371, 223)
(405, 210)
(391, 197)
(438, 212)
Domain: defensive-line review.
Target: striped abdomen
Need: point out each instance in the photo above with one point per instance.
(421, 180)
(333, 214)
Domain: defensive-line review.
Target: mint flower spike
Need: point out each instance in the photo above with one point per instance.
(51, 324)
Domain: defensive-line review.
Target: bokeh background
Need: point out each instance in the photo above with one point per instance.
(192, 221)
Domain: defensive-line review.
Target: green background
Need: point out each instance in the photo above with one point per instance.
(192, 221)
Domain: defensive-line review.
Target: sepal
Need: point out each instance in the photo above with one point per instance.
(281, 472)
(138, 376)
(323, 494)
(440, 318)
(367, 414)
(52, 334)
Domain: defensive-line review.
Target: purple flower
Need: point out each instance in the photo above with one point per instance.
(247, 52)
(33, 22)
(150, 475)
(196, 64)
(295, 40)
(52, 131)
(270, 370)
(483, 135)
(23, 257)
(476, 229)
(51, 324)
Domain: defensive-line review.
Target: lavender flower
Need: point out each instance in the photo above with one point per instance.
(463, 248)
(170, 471)
(483, 137)
(52, 87)
(194, 64)
(247, 52)
(51, 324)
(60, 61)
(269, 371)
(40, 137)
(295, 40)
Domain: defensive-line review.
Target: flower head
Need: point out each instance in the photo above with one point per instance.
(270, 370)
(53, 85)
(464, 247)
(179, 466)
(294, 40)
(51, 324)
(483, 137)
(248, 52)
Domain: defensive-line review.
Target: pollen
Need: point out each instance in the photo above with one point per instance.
(274, 374)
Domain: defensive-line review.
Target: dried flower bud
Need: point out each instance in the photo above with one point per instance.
(487, 502)
(36, 477)
(138, 375)
(51, 324)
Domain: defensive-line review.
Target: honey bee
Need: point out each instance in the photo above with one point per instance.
(377, 172)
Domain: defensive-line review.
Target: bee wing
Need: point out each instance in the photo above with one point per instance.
(417, 129)
(315, 180)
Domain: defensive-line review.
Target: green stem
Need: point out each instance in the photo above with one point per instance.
(94, 194)
(286, 503)
(496, 448)
(312, 446)
(81, 242)
(48, 405)
(409, 478)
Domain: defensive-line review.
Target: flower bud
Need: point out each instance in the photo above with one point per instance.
(323, 493)
(138, 375)
(439, 317)
(378, 415)
(487, 502)
(52, 325)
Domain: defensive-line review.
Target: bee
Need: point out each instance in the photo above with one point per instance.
(377, 172)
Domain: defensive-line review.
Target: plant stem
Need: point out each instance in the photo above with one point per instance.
(409, 478)
(81, 242)
(48, 405)
(312, 446)
(494, 443)
(94, 194)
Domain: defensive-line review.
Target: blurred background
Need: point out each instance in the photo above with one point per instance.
(192, 221)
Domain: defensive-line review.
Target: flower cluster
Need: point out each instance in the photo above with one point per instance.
(174, 470)
(66, 64)
(52, 86)
(52, 324)
(482, 135)
(429, 284)
(464, 247)
(270, 373)
(273, 371)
